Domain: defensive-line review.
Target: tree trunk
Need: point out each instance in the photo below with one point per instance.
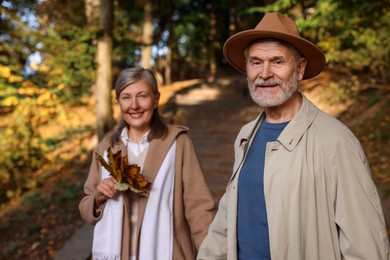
(92, 10)
(213, 37)
(147, 35)
(103, 85)
(170, 46)
(233, 23)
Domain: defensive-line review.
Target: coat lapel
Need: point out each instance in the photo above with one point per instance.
(245, 138)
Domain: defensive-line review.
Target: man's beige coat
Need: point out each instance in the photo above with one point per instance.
(321, 201)
(193, 205)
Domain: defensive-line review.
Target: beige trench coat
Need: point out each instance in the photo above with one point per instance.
(193, 204)
(321, 201)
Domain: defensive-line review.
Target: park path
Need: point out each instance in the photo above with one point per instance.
(214, 113)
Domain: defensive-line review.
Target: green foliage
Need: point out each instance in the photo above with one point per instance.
(15, 43)
(358, 37)
(67, 61)
(127, 33)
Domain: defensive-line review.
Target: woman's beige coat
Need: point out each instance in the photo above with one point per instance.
(321, 201)
(193, 204)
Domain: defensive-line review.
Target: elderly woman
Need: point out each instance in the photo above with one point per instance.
(169, 223)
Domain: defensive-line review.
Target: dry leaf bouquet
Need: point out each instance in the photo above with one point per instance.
(128, 176)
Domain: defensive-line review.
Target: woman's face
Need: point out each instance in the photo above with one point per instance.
(137, 102)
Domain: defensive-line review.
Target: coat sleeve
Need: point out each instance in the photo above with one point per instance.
(214, 246)
(87, 206)
(199, 205)
(358, 213)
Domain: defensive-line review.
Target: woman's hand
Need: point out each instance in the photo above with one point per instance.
(106, 187)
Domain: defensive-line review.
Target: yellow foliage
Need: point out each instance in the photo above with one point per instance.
(30, 89)
(34, 65)
(5, 72)
(26, 112)
(44, 99)
(28, 84)
(44, 113)
(50, 157)
(57, 71)
(15, 78)
(9, 132)
(50, 83)
(10, 193)
(10, 101)
(43, 68)
(26, 91)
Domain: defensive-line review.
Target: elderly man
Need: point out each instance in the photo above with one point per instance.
(301, 187)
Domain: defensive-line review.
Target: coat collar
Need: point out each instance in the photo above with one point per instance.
(158, 148)
(293, 132)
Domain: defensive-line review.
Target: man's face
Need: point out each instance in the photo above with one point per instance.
(273, 73)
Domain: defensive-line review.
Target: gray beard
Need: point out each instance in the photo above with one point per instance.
(265, 101)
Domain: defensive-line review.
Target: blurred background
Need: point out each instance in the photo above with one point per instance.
(59, 59)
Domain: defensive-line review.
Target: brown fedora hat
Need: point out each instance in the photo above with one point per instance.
(274, 25)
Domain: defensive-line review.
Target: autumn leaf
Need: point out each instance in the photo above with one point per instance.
(105, 165)
(136, 180)
(128, 177)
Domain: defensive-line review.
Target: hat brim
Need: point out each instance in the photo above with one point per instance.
(234, 48)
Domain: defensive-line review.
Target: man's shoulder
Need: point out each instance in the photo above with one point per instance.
(329, 122)
(332, 129)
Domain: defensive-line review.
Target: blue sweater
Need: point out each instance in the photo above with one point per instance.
(252, 223)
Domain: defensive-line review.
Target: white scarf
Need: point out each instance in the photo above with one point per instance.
(107, 235)
(156, 238)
